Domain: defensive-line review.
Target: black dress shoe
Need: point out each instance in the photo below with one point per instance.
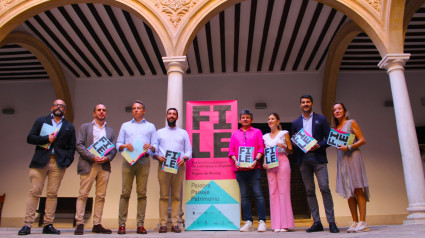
(163, 229)
(175, 229)
(79, 230)
(25, 230)
(100, 229)
(317, 226)
(141, 230)
(333, 228)
(121, 230)
(49, 229)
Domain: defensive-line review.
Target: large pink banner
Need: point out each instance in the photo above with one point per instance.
(210, 125)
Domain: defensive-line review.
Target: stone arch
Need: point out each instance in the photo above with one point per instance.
(394, 27)
(336, 52)
(47, 59)
(198, 20)
(391, 40)
(364, 18)
(412, 7)
(377, 26)
(13, 14)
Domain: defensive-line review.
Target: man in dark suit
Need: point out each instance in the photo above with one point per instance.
(54, 152)
(315, 162)
(93, 168)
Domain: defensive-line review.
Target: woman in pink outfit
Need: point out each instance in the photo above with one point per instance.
(279, 177)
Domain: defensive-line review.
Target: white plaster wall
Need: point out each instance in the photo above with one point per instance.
(363, 93)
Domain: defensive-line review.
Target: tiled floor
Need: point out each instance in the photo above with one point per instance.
(390, 231)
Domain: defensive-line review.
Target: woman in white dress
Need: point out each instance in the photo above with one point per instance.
(279, 178)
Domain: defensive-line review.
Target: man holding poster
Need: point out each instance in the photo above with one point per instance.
(314, 161)
(172, 141)
(138, 129)
(50, 163)
(94, 166)
(248, 141)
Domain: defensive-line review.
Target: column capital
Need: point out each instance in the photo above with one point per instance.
(175, 64)
(393, 61)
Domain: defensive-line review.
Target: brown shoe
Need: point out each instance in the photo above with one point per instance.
(121, 230)
(100, 229)
(79, 230)
(141, 230)
(175, 229)
(163, 229)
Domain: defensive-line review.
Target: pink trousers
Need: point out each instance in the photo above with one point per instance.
(280, 194)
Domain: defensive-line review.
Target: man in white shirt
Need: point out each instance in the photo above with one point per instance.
(138, 129)
(173, 140)
(93, 168)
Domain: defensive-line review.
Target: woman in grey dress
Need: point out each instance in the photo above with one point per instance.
(351, 181)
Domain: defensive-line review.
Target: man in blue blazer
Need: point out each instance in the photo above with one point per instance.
(48, 162)
(315, 162)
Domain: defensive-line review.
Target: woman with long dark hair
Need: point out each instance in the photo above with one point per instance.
(351, 181)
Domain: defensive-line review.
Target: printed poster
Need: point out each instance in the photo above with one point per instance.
(47, 129)
(133, 156)
(101, 147)
(303, 140)
(212, 199)
(172, 159)
(245, 156)
(337, 138)
(270, 157)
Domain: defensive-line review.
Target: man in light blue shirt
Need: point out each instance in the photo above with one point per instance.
(136, 129)
(174, 140)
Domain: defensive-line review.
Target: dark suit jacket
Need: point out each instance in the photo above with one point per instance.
(64, 145)
(320, 130)
(84, 141)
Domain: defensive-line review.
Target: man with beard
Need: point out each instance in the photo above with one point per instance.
(315, 162)
(174, 140)
(138, 129)
(93, 168)
(48, 162)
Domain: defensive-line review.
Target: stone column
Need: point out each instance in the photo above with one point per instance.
(176, 66)
(412, 164)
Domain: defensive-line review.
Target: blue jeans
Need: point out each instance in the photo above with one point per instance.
(253, 177)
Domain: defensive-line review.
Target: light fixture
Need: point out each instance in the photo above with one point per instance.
(260, 105)
(8, 110)
(389, 103)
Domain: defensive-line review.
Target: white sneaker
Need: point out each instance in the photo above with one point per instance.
(247, 226)
(276, 230)
(262, 226)
(352, 226)
(283, 230)
(361, 226)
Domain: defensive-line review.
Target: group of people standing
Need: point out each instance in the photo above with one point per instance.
(351, 175)
(54, 152)
(50, 162)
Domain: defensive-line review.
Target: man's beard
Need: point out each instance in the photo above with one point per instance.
(58, 113)
(171, 123)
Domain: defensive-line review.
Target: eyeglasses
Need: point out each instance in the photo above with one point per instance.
(59, 105)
